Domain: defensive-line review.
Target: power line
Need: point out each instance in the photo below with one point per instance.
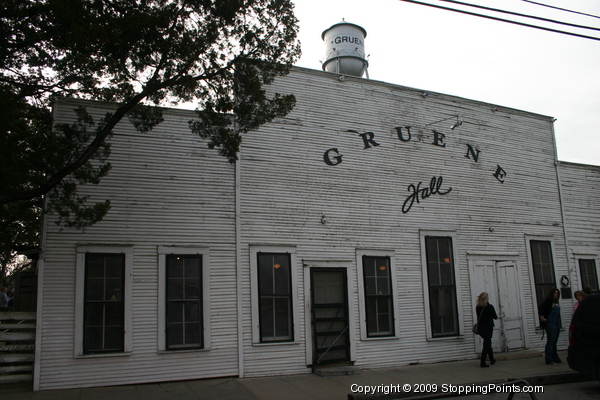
(521, 15)
(504, 20)
(562, 9)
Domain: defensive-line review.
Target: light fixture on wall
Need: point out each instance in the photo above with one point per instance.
(456, 124)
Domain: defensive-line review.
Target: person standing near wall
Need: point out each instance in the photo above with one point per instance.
(550, 320)
(579, 295)
(486, 314)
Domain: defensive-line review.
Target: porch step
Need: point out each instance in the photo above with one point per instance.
(338, 371)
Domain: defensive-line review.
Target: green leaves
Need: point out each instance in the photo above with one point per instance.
(218, 53)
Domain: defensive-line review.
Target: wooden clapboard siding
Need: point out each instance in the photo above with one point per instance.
(167, 189)
(287, 189)
(580, 188)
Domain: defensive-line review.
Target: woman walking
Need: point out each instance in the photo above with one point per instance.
(550, 317)
(486, 314)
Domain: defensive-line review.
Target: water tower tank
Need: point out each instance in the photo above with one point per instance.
(345, 49)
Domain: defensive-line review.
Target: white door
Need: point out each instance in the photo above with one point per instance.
(510, 305)
(500, 280)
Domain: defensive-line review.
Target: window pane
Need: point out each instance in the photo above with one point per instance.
(94, 289)
(282, 317)
(94, 314)
(93, 339)
(543, 268)
(175, 289)
(174, 312)
(267, 320)
(378, 296)
(103, 303)
(184, 301)
(442, 286)
(175, 266)
(265, 273)
(192, 334)
(192, 267)
(114, 267)
(384, 308)
(371, 309)
(113, 290)
(94, 266)
(113, 314)
(275, 299)
(192, 289)
(443, 310)
(589, 275)
(174, 335)
(282, 279)
(192, 312)
(113, 338)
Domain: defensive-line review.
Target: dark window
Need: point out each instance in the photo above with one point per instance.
(442, 286)
(104, 311)
(543, 268)
(378, 296)
(589, 275)
(184, 302)
(275, 297)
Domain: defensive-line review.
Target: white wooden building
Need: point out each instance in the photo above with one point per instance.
(359, 229)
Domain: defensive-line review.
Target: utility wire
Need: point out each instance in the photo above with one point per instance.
(562, 9)
(521, 15)
(503, 20)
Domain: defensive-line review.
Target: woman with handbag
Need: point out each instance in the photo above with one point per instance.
(486, 314)
(551, 321)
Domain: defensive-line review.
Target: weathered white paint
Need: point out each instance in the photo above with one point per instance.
(500, 280)
(581, 199)
(290, 196)
(168, 189)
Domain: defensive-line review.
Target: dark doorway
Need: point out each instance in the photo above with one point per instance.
(331, 334)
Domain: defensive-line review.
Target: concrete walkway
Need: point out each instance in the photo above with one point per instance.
(527, 365)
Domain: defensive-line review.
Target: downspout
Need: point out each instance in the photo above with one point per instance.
(562, 205)
(238, 262)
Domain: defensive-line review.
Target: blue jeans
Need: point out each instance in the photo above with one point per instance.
(552, 331)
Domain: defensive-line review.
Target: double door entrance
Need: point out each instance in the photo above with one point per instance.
(329, 316)
(501, 281)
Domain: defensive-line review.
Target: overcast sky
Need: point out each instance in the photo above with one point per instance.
(504, 64)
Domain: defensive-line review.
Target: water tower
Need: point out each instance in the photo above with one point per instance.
(345, 49)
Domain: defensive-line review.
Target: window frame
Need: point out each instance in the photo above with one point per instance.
(534, 283)
(360, 257)
(595, 269)
(451, 235)
(204, 253)
(254, 282)
(104, 304)
(80, 280)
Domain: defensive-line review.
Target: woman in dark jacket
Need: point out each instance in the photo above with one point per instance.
(550, 320)
(486, 314)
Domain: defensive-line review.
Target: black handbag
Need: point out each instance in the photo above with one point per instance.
(476, 326)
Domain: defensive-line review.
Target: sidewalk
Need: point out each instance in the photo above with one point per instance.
(527, 365)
